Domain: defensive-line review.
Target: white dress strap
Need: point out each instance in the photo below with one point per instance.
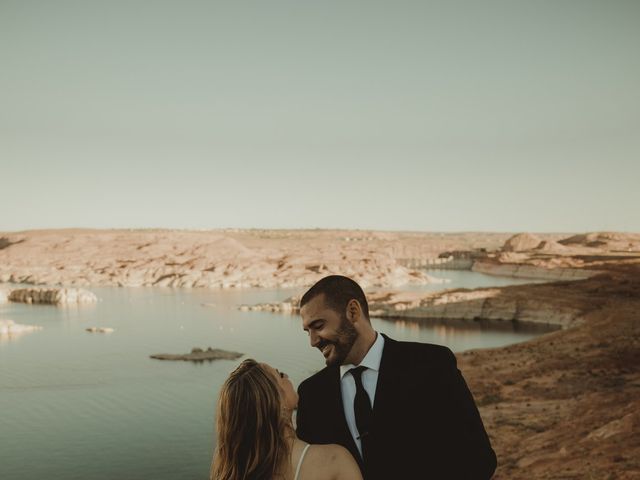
(304, 452)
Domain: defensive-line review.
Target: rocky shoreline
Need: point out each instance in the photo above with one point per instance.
(541, 303)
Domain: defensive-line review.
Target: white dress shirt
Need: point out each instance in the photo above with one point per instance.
(369, 382)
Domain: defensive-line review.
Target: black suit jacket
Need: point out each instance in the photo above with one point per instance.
(425, 422)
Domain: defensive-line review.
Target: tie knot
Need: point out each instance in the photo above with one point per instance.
(357, 372)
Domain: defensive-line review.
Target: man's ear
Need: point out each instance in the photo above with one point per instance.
(353, 310)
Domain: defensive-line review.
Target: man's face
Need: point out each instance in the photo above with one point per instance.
(329, 331)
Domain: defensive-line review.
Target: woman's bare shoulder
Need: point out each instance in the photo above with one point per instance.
(334, 461)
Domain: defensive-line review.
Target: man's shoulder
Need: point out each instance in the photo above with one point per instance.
(437, 355)
(318, 379)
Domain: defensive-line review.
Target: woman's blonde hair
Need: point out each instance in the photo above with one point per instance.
(252, 427)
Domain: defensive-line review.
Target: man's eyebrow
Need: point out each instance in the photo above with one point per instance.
(313, 324)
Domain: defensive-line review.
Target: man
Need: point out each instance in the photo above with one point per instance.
(402, 409)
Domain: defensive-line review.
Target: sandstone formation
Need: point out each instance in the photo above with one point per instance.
(8, 328)
(551, 247)
(610, 241)
(574, 258)
(224, 258)
(524, 270)
(522, 242)
(52, 296)
(199, 355)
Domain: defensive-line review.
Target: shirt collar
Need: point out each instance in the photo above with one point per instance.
(371, 360)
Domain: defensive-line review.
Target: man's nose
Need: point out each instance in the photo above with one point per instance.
(314, 339)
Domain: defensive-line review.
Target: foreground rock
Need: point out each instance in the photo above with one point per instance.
(199, 355)
(8, 328)
(52, 296)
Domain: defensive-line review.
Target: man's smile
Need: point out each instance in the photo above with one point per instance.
(325, 350)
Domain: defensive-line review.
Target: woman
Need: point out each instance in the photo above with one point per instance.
(256, 439)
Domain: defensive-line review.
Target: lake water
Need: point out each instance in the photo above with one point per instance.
(79, 405)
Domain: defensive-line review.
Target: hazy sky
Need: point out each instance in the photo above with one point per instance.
(453, 115)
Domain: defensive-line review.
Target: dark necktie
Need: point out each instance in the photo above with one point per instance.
(361, 406)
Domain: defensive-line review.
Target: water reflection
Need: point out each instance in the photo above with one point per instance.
(480, 325)
(12, 331)
(461, 335)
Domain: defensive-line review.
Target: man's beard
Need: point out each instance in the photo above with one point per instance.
(346, 337)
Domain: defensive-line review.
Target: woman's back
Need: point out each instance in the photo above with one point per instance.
(322, 462)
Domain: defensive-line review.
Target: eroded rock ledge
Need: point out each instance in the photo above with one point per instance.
(518, 270)
(560, 303)
(52, 296)
(199, 355)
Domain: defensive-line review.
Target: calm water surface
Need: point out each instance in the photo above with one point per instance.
(77, 405)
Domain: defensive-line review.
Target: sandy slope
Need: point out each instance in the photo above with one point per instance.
(567, 404)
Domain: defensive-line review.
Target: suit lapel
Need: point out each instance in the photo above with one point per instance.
(387, 379)
(393, 378)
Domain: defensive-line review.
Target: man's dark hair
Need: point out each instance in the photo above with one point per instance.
(338, 292)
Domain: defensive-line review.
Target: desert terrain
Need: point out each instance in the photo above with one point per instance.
(223, 258)
(564, 405)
